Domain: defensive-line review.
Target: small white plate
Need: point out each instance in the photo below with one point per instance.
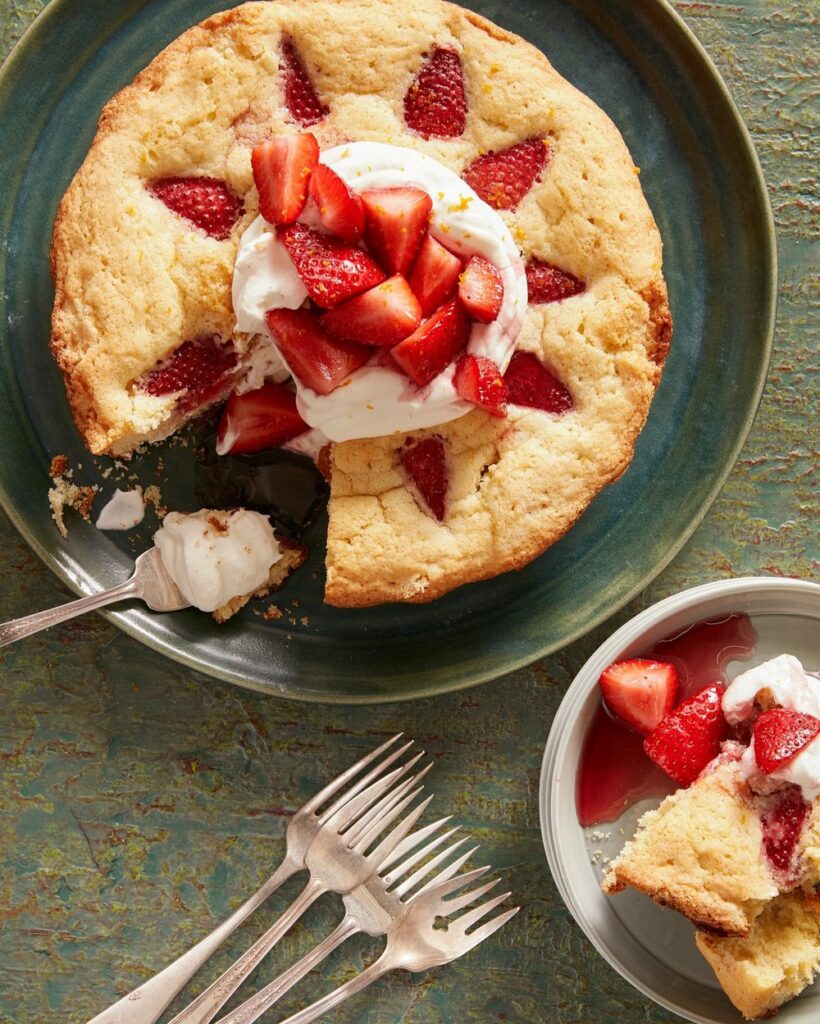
(653, 948)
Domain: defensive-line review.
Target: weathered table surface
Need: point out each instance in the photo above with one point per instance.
(139, 803)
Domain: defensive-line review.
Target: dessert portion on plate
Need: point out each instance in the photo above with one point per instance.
(389, 236)
(221, 559)
(736, 848)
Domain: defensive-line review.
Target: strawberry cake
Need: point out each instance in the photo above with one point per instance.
(736, 848)
(390, 236)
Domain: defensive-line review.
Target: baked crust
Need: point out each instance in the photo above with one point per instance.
(517, 485)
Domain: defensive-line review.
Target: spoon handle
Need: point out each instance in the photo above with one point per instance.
(16, 629)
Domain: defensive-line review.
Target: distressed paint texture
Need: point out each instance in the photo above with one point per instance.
(140, 803)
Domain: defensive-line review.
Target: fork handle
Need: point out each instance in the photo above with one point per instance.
(254, 1007)
(145, 1004)
(206, 1005)
(16, 629)
(370, 974)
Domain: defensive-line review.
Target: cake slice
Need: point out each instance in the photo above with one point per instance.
(772, 964)
(701, 853)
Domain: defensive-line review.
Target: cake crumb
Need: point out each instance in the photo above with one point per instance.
(273, 611)
(305, 620)
(66, 494)
(153, 496)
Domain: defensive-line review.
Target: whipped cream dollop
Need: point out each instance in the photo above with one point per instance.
(377, 400)
(783, 682)
(214, 555)
(123, 511)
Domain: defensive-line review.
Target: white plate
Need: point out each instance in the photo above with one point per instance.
(651, 947)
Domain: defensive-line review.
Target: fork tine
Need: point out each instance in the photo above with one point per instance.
(447, 873)
(466, 898)
(336, 784)
(431, 865)
(392, 839)
(363, 803)
(400, 870)
(444, 887)
(486, 930)
(474, 916)
(382, 810)
(412, 841)
(368, 836)
(363, 783)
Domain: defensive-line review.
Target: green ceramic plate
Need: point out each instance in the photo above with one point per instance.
(641, 64)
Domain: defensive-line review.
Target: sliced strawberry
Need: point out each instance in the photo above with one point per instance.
(207, 203)
(340, 210)
(434, 345)
(503, 179)
(780, 735)
(548, 283)
(382, 316)
(435, 104)
(478, 380)
(689, 737)
(425, 463)
(258, 419)
(395, 223)
(199, 369)
(640, 692)
(301, 99)
(782, 828)
(435, 274)
(281, 171)
(481, 290)
(317, 360)
(330, 270)
(530, 383)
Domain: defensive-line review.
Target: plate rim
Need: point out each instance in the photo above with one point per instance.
(188, 659)
(559, 736)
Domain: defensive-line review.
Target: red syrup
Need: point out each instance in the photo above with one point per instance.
(614, 772)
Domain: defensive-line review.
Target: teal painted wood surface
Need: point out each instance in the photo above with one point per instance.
(139, 802)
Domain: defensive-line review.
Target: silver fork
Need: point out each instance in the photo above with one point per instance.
(371, 907)
(334, 865)
(145, 1004)
(151, 582)
(423, 937)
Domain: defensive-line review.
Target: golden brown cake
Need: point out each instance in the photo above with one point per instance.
(143, 327)
(777, 959)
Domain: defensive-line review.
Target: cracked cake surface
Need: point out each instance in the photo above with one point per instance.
(143, 290)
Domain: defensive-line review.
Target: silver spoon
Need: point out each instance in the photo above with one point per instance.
(150, 582)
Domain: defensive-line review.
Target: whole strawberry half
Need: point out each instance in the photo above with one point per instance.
(435, 274)
(434, 345)
(301, 99)
(207, 203)
(689, 737)
(477, 379)
(640, 692)
(340, 210)
(780, 735)
(281, 171)
(548, 283)
(381, 316)
(425, 463)
(529, 383)
(396, 222)
(331, 270)
(258, 419)
(503, 179)
(435, 104)
(481, 290)
(317, 361)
